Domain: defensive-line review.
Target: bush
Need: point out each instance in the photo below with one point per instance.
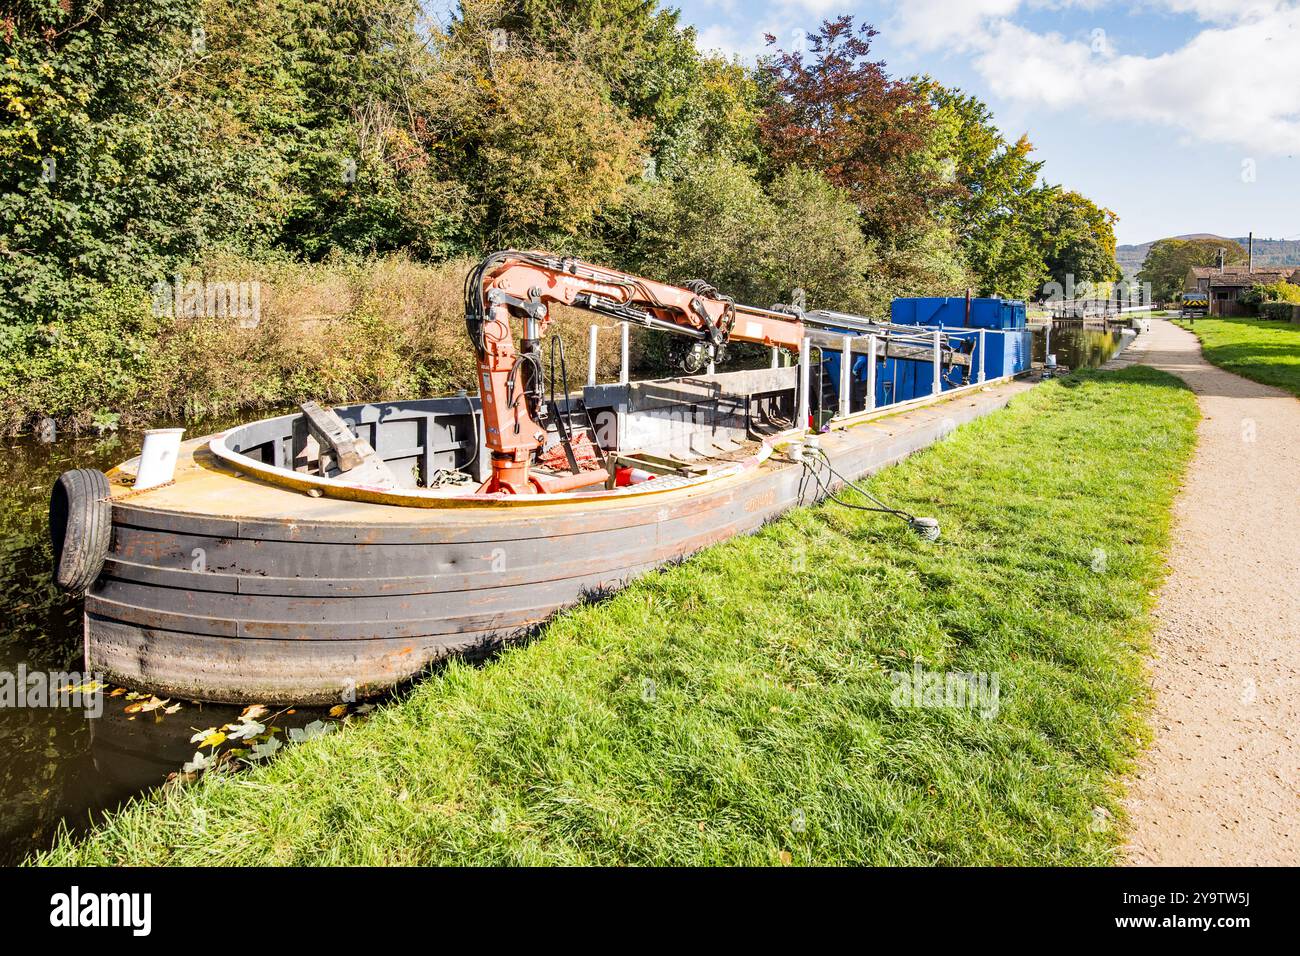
(717, 223)
(71, 368)
(347, 331)
(1281, 311)
(1258, 295)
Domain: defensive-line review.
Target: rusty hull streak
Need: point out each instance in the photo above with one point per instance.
(301, 600)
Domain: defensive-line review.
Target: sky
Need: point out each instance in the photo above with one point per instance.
(1181, 116)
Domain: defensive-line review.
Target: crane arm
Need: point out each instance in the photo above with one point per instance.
(524, 285)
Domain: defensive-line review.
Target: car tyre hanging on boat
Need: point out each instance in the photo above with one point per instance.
(81, 527)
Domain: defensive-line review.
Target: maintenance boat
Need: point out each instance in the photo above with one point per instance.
(333, 553)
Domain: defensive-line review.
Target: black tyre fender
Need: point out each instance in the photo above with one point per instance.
(81, 527)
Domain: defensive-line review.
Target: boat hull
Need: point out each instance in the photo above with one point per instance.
(268, 595)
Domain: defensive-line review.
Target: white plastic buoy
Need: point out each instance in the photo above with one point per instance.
(158, 457)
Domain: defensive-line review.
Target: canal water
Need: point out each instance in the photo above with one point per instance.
(57, 764)
(1076, 345)
(60, 767)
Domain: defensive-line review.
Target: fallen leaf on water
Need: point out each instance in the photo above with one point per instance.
(117, 692)
(152, 704)
(90, 687)
(200, 762)
(214, 739)
(315, 729)
(262, 751)
(338, 710)
(253, 711)
(172, 709)
(136, 695)
(245, 730)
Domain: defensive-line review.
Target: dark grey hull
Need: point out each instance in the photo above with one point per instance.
(314, 609)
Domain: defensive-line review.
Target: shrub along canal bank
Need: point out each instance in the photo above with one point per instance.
(832, 689)
(1262, 350)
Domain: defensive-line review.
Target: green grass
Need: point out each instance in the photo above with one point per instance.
(736, 708)
(1261, 350)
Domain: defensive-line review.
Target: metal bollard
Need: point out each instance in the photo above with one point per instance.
(938, 374)
(846, 374)
(871, 372)
(624, 331)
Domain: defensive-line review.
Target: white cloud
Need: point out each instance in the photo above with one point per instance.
(934, 24)
(1236, 82)
(1238, 85)
(745, 43)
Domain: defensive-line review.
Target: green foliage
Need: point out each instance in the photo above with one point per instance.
(996, 205)
(1280, 311)
(101, 359)
(140, 138)
(101, 178)
(1265, 293)
(1078, 237)
(1169, 260)
(554, 152)
(693, 106)
(717, 222)
(1016, 234)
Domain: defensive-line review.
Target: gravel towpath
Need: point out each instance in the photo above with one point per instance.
(1221, 783)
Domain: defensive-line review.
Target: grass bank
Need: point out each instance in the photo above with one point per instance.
(739, 708)
(1262, 350)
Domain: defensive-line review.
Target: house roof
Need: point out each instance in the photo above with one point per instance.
(1241, 276)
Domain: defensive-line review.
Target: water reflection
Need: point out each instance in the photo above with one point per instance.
(1076, 345)
(55, 763)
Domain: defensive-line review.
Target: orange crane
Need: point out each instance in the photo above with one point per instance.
(523, 285)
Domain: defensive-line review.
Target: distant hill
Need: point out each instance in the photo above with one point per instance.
(1268, 252)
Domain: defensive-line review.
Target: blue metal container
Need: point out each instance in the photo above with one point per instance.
(1008, 351)
(950, 313)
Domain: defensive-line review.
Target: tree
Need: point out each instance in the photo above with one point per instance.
(996, 203)
(553, 150)
(99, 178)
(718, 223)
(1169, 260)
(692, 104)
(840, 113)
(1078, 237)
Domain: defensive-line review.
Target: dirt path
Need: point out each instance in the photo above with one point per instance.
(1221, 783)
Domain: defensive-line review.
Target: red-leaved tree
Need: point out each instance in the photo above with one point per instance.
(838, 111)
